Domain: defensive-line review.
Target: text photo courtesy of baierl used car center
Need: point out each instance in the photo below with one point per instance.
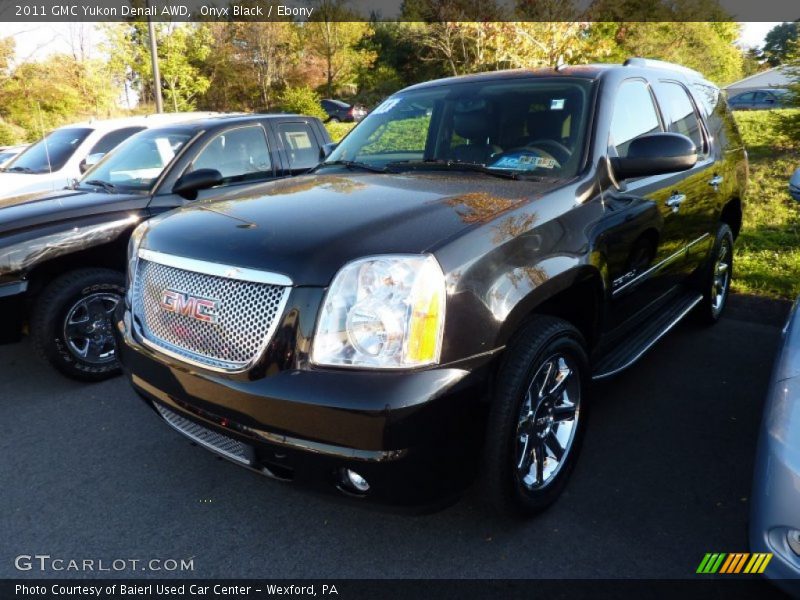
(399, 299)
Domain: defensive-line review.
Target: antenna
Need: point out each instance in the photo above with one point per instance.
(44, 139)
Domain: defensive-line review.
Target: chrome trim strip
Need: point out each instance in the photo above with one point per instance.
(173, 420)
(664, 262)
(238, 368)
(215, 269)
(651, 343)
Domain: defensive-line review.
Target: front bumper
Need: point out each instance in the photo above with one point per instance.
(414, 437)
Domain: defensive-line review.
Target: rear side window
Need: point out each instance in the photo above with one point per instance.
(238, 154)
(113, 139)
(680, 113)
(634, 115)
(301, 147)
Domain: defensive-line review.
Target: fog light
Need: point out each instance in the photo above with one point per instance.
(793, 537)
(354, 481)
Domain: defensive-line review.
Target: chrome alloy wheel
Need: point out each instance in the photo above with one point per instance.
(87, 328)
(547, 423)
(721, 277)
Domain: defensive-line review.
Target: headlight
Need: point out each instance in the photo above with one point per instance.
(133, 255)
(383, 312)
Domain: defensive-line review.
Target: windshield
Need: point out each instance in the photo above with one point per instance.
(529, 125)
(136, 163)
(50, 153)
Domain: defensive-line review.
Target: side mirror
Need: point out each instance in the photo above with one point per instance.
(90, 161)
(794, 185)
(326, 149)
(190, 183)
(655, 154)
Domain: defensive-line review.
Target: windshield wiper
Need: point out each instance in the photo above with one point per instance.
(351, 164)
(104, 185)
(19, 170)
(453, 165)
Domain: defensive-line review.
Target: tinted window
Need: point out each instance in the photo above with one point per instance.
(634, 115)
(533, 125)
(141, 158)
(51, 153)
(113, 139)
(743, 98)
(240, 154)
(679, 112)
(301, 147)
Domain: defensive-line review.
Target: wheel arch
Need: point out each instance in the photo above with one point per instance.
(575, 296)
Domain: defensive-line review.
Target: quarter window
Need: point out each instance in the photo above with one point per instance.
(634, 115)
(238, 154)
(680, 113)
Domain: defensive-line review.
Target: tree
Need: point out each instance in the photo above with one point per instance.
(779, 41)
(334, 40)
(180, 52)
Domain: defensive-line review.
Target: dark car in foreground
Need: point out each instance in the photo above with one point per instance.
(775, 506)
(62, 254)
(435, 298)
(338, 110)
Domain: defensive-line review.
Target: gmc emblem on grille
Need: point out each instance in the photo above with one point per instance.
(196, 307)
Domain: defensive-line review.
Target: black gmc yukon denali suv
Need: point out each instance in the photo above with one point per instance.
(62, 254)
(434, 299)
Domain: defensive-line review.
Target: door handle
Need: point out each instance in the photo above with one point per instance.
(675, 201)
(716, 181)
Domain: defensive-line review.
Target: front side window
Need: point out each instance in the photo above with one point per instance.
(301, 148)
(50, 153)
(140, 160)
(526, 125)
(634, 115)
(680, 113)
(239, 154)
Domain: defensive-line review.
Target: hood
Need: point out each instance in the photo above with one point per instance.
(42, 209)
(14, 184)
(308, 227)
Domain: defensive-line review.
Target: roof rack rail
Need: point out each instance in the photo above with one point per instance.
(660, 64)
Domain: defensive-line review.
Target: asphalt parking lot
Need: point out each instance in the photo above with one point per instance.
(664, 477)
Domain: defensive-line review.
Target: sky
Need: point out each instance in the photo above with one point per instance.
(35, 41)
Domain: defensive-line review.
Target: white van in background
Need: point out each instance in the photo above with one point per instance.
(65, 153)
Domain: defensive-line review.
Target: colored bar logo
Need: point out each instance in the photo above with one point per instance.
(736, 562)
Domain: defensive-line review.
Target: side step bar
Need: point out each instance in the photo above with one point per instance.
(632, 349)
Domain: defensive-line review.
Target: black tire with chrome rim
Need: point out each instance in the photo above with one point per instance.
(71, 323)
(537, 418)
(716, 279)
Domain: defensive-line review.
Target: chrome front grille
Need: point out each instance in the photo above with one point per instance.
(229, 447)
(244, 313)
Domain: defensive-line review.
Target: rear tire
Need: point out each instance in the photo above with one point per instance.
(716, 278)
(71, 322)
(537, 418)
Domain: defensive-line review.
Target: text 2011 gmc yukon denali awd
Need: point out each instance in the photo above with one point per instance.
(434, 299)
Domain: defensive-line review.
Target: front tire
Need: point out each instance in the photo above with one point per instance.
(537, 419)
(716, 280)
(71, 323)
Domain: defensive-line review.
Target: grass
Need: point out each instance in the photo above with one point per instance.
(767, 259)
(338, 130)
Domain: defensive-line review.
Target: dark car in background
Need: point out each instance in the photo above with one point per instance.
(761, 99)
(337, 110)
(62, 254)
(433, 300)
